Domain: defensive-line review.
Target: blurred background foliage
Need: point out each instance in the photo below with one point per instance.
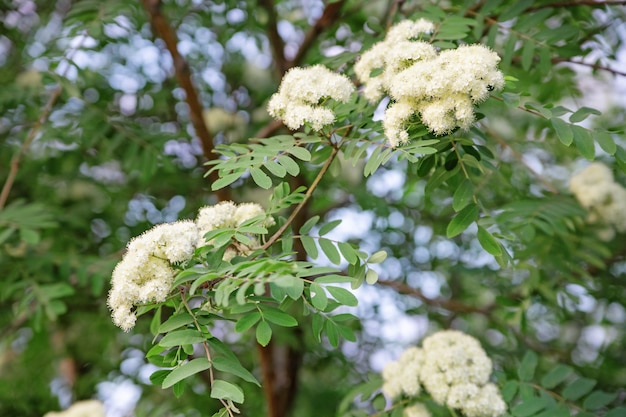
(100, 135)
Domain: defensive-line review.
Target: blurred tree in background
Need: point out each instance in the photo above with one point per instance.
(110, 110)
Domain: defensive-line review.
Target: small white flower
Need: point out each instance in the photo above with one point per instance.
(417, 410)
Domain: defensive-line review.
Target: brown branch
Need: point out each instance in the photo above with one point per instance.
(43, 117)
(330, 15)
(586, 64)
(449, 305)
(163, 30)
(591, 3)
(276, 42)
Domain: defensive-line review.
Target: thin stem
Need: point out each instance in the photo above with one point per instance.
(308, 194)
(207, 352)
(592, 3)
(43, 117)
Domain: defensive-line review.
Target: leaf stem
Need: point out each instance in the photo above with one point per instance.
(308, 194)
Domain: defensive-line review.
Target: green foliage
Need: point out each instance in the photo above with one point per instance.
(474, 230)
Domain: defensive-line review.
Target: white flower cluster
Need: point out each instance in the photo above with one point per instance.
(596, 190)
(441, 88)
(146, 272)
(453, 368)
(301, 92)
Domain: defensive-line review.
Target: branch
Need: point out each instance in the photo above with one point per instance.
(586, 64)
(163, 30)
(449, 305)
(591, 3)
(43, 117)
(276, 42)
(330, 15)
(308, 194)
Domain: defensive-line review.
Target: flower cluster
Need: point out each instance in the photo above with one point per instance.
(441, 88)
(301, 92)
(453, 368)
(146, 272)
(596, 190)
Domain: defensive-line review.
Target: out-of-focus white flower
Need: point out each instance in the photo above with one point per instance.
(441, 88)
(417, 410)
(227, 214)
(301, 93)
(454, 370)
(596, 190)
(89, 408)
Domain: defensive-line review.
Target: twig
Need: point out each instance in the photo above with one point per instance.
(394, 7)
(449, 305)
(586, 64)
(207, 352)
(308, 194)
(43, 117)
(330, 15)
(163, 30)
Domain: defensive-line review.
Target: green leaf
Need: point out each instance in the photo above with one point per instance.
(616, 412)
(328, 227)
(371, 277)
(557, 375)
(290, 165)
(332, 333)
(247, 321)
(186, 370)
(308, 225)
(343, 296)
(582, 113)
(223, 390)
(578, 388)
(226, 180)
(584, 143)
(175, 321)
(462, 220)
(348, 252)
(232, 365)
(488, 242)
(261, 178)
(528, 408)
(598, 399)
(377, 257)
(277, 316)
(329, 249)
(509, 390)
(263, 333)
(563, 131)
(301, 153)
(606, 142)
(528, 51)
(276, 169)
(463, 195)
(526, 369)
(293, 286)
(309, 246)
(157, 377)
(181, 337)
(319, 299)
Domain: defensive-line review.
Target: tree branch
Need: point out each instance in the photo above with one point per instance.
(586, 64)
(330, 15)
(591, 3)
(449, 305)
(276, 42)
(163, 30)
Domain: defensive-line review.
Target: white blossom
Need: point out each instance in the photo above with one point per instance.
(416, 410)
(146, 273)
(301, 94)
(442, 88)
(596, 190)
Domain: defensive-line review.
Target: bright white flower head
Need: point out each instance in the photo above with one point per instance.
(145, 273)
(417, 410)
(227, 214)
(596, 190)
(486, 403)
(301, 92)
(441, 88)
(403, 376)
